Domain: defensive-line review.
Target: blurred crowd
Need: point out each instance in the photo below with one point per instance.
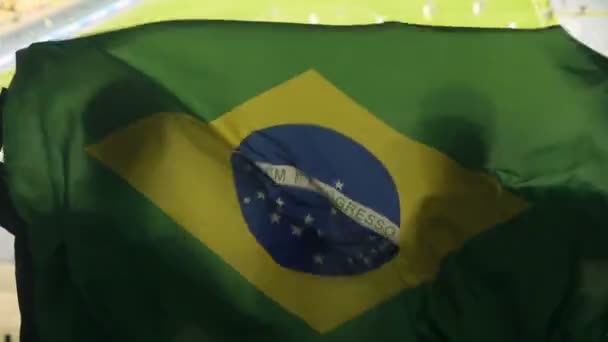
(22, 5)
(14, 12)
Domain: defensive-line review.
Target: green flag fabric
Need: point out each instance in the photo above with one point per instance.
(227, 181)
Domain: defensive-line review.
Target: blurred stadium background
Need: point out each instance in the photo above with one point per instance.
(23, 22)
(26, 21)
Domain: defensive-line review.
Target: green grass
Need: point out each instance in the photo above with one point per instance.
(5, 79)
(495, 13)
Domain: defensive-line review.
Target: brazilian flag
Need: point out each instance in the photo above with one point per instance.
(230, 181)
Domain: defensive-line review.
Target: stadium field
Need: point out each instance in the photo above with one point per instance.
(5, 79)
(488, 13)
(523, 14)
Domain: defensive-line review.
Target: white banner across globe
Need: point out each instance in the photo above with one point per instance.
(585, 20)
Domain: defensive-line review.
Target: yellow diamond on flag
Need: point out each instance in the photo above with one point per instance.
(184, 166)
